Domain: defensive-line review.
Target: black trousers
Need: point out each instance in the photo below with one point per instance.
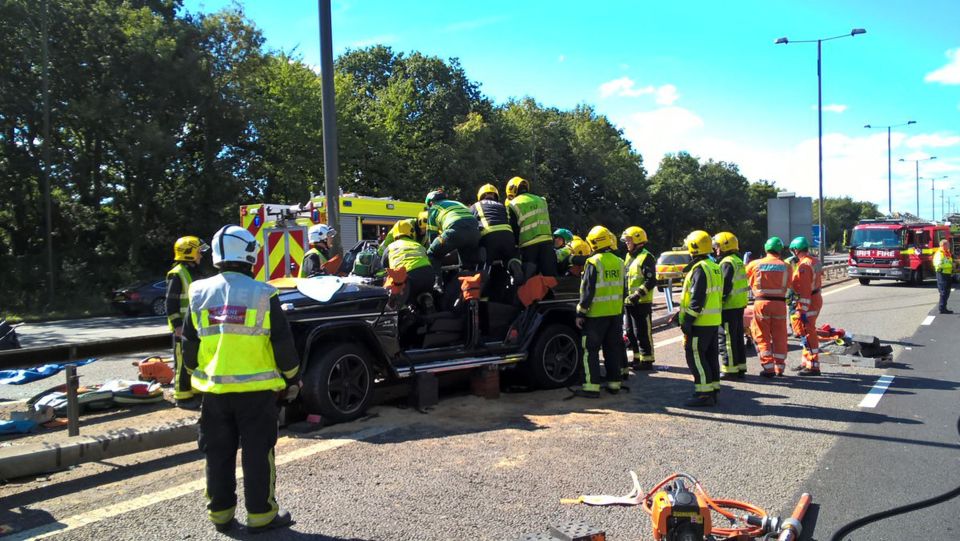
(943, 286)
(500, 246)
(539, 258)
(420, 280)
(733, 354)
(182, 388)
(640, 331)
(228, 422)
(703, 358)
(603, 333)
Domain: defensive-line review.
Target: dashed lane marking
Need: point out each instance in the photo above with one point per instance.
(928, 320)
(668, 341)
(120, 508)
(876, 392)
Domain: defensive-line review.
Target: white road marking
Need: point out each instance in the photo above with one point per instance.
(873, 397)
(832, 291)
(928, 320)
(120, 508)
(668, 341)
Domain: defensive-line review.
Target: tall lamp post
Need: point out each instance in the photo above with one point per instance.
(819, 42)
(917, 169)
(933, 197)
(943, 192)
(889, 174)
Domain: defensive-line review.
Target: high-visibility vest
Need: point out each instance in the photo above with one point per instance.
(407, 254)
(769, 277)
(443, 214)
(533, 219)
(738, 297)
(231, 313)
(492, 216)
(302, 273)
(943, 262)
(710, 315)
(186, 278)
(635, 275)
(608, 294)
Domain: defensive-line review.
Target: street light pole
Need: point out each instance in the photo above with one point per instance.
(889, 159)
(785, 41)
(917, 169)
(329, 114)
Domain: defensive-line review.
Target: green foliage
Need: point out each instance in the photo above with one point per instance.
(841, 214)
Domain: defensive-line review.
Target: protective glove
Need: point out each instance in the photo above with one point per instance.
(292, 391)
(803, 317)
(581, 321)
(633, 297)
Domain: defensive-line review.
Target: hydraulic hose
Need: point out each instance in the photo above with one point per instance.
(861, 522)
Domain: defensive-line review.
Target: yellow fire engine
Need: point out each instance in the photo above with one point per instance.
(282, 229)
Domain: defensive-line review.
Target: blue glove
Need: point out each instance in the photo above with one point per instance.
(803, 317)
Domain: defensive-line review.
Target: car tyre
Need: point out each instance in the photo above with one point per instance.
(555, 357)
(916, 277)
(339, 383)
(159, 306)
(864, 281)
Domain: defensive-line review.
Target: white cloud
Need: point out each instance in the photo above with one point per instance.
(949, 74)
(667, 94)
(832, 108)
(660, 131)
(382, 39)
(935, 140)
(624, 86)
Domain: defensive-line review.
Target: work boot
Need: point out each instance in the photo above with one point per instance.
(700, 400)
(809, 372)
(716, 396)
(645, 366)
(726, 376)
(768, 375)
(579, 392)
(192, 403)
(226, 526)
(282, 520)
(946, 311)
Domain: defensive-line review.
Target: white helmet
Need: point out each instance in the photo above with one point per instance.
(320, 233)
(234, 244)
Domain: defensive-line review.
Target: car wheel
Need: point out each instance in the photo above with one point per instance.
(338, 383)
(864, 281)
(555, 357)
(159, 306)
(916, 277)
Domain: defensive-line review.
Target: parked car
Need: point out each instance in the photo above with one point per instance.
(671, 266)
(147, 297)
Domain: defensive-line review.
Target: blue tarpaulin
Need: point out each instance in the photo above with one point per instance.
(19, 377)
(17, 427)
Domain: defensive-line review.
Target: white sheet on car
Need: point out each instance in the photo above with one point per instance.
(320, 288)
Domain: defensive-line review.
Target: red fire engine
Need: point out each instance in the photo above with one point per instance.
(894, 250)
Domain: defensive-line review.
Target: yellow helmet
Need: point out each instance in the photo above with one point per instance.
(726, 241)
(634, 233)
(487, 189)
(698, 243)
(189, 249)
(580, 247)
(514, 185)
(422, 221)
(601, 238)
(404, 228)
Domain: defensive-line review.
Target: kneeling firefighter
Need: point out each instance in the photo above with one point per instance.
(699, 316)
(600, 314)
(457, 229)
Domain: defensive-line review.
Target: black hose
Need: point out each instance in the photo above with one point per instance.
(861, 522)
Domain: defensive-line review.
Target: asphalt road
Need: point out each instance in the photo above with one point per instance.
(495, 469)
(84, 330)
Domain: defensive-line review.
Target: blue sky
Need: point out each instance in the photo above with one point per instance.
(699, 76)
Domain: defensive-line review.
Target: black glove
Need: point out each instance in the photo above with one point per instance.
(634, 297)
(581, 321)
(686, 327)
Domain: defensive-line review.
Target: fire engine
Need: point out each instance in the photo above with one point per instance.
(894, 250)
(282, 229)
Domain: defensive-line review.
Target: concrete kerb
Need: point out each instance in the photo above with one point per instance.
(22, 461)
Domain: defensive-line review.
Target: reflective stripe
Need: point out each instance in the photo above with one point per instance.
(771, 292)
(739, 290)
(606, 298)
(812, 312)
(779, 356)
(608, 293)
(533, 225)
(533, 219)
(180, 270)
(227, 328)
(709, 316)
(242, 378)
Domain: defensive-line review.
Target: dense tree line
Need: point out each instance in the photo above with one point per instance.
(163, 122)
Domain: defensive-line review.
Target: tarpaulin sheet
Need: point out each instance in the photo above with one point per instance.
(28, 375)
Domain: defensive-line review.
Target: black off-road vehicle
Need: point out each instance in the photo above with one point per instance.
(352, 338)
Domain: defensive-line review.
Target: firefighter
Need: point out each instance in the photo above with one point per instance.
(389, 237)
(187, 254)
(805, 284)
(943, 265)
(769, 278)
(561, 245)
(700, 318)
(457, 229)
(530, 219)
(580, 250)
(238, 343)
(319, 253)
(600, 314)
(641, 281)
(735, 298)
(406, 253)
(496, 235)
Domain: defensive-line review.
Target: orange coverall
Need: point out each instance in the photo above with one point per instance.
(769, 279)
(806, 284)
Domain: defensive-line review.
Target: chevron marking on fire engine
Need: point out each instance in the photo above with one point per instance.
(91, 517)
